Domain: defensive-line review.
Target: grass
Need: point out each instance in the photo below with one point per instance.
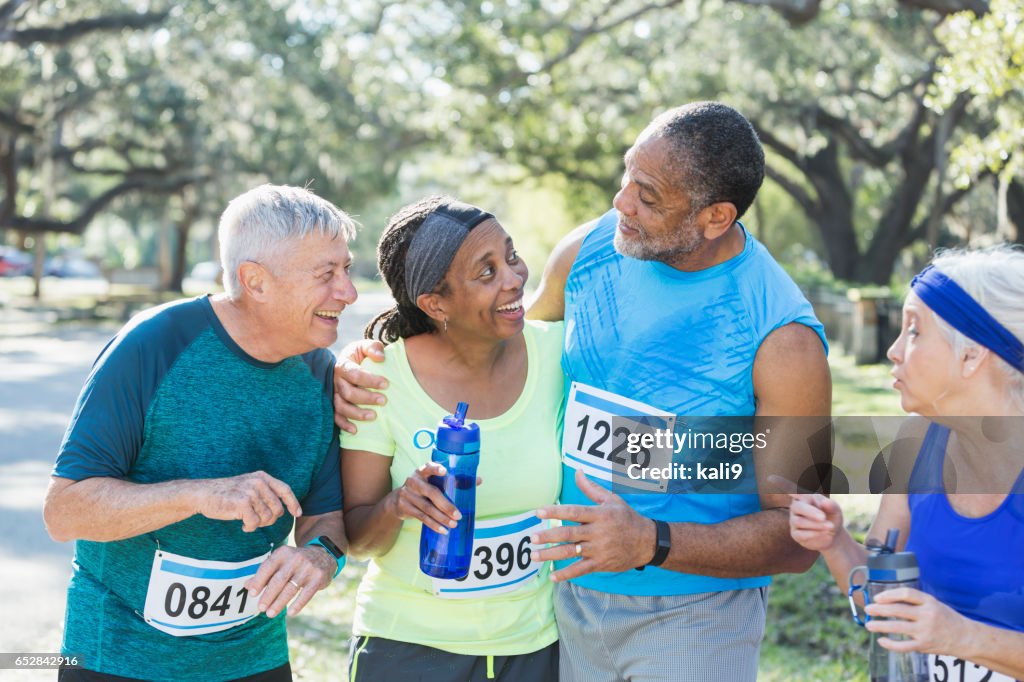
(862, 390)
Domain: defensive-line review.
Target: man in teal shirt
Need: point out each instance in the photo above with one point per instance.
(203, 434)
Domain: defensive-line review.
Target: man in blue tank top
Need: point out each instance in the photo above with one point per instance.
(203, 435)
(673, 311)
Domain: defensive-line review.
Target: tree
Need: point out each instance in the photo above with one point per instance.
(188, 107)
(985, 57)
(839, 102)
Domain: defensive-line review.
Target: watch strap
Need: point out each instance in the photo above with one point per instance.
(339, 559)
(663, 543)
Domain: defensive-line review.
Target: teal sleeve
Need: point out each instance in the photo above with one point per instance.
(325, 493)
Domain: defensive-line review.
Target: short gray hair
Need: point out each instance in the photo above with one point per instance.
(715, 153)
(255, 224)
(994, 277)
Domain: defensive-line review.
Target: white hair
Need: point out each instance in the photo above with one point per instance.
(255, 226)
(994, 277)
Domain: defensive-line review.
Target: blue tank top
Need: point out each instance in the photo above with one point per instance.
(974, 565)
(683, 342)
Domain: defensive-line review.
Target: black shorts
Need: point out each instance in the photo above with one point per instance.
(281, 674)
(372, 658)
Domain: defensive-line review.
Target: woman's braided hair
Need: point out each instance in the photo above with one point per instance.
(405, 318)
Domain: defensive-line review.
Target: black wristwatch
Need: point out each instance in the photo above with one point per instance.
(663, 543)
(332, 549)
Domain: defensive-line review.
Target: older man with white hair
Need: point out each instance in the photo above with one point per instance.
(203, 435)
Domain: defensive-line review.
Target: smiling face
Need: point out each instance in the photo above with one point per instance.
(924, 364)
(656, 220)
(484, 285)
(308, 286)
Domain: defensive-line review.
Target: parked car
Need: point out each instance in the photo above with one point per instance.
(71, 266)
(14, 262)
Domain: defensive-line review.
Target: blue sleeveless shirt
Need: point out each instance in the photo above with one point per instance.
(683, 342)
(974, 565)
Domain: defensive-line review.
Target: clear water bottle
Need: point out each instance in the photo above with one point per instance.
(888, 569)
(457, 449)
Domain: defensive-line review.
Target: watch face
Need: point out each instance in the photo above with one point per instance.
(331, 547)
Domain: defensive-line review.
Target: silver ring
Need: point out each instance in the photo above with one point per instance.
(579, 549)
(297, 586)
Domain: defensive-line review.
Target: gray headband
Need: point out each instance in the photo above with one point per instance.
(434, 245)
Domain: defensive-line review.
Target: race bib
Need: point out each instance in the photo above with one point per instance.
(501, 559)
(191, 597)
(952, 669)
(593, 442)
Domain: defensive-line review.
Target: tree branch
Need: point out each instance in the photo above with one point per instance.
(779, 147)
(78, 224)
(580, 35)
(9, 172)
(8, 9)
(62, 35)
(796, 12)
(799, 194)
(920, 230)
(14, 124)
(944, 7)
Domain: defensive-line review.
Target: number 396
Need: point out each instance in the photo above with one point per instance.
(502, 561)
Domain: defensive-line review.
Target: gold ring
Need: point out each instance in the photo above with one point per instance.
(297, 586)
(579, 549)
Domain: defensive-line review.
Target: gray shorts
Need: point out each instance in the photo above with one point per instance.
(375, 658)
(705, 637)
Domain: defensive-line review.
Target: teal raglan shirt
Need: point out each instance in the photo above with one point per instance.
(172, 396)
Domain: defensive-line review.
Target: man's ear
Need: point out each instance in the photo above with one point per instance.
(717, 218)
(434, 306)
(254, 279)
(973, 358)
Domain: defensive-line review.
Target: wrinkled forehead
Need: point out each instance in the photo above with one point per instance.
(315, 249)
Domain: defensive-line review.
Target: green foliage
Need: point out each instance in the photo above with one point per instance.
(359, 100)
(809, 617)
(986, 58)
(808, 614)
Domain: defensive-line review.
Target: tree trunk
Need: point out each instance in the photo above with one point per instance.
(833, 211)
(1015, 210)
(190, 207)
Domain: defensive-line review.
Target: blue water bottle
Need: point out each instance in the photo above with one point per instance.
(457, 449)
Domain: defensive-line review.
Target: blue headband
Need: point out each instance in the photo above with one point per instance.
(963, 313)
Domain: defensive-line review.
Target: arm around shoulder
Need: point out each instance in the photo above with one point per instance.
(548, 301)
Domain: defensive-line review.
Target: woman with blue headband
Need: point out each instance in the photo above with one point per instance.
(457, 333)
(959, 363)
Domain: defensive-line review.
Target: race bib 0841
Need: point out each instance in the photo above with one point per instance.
(597, 425)
(192, 597)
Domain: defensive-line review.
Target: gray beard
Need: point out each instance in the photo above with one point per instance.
(642, 250)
